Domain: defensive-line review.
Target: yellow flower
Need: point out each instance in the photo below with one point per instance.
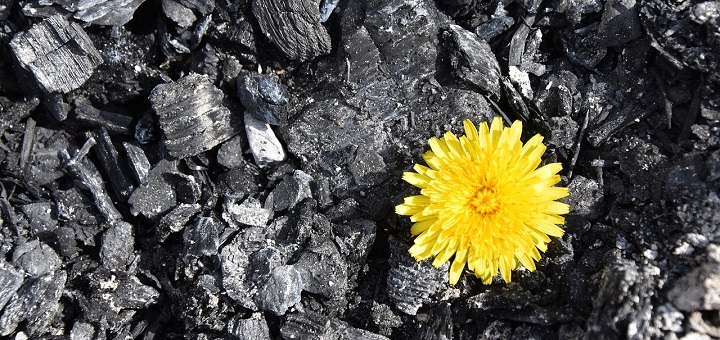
(484, 200)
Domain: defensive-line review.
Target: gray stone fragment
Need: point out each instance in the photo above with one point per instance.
(10, 281)
(697, 290)
(118, 245)
(254, 328)
(264, 145)
(294, 27)
(411, 283)
(192, 115)
(281, 291)
(323, 269)
(203, 238)
(474, 61)
(58, 54)
(36, 302)
(263, 96)
(36, 258)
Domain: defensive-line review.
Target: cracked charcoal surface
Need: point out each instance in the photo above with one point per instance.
(294, 27)
(57, 54)
(229, 169)
(192, 115)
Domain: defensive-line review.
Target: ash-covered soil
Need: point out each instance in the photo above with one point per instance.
(217, 169)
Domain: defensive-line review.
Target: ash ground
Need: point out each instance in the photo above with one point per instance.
(228, 169)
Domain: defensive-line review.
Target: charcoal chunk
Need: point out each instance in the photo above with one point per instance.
(111, 121)
(43, 167)
(474, 61)
(281, 291)
(10, 281)
(249, 212)
(230, 154)
(620, 23)
(58, 54)
(117, 246)
(176, 219)
(82, 330)
(234, 261)
(263, 96)
(178, 13)
(36, 301)
(697, 290)
(291, 190)
(323, 269)
(157, 195)
(254, 327)
(368, 167)
(203, 238)
(306, 325)
(339, 329)
(110, 161)
(355, 238)
(192, 115)
(138, 162)
(98, 12)
(42, 217)
(586, 197)
(133, 294)
(293, 27)
(36, 258)
(411, 283)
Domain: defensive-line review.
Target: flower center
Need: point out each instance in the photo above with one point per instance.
(485, 201)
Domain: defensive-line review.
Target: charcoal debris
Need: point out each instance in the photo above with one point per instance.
(57, 54)
(411, 283)
(192, 115)
(263, 96)
(294, 27)
(36, 258)
(474, 61)
(205, 169)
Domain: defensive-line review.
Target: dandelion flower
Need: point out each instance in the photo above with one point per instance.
(484, 200)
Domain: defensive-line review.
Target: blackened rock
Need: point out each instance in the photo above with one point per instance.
(264, 145)
(411, 283)
(281, 291)
(10, 281)
(118, 245)
(42, 217)
(203, 238)
(474, 61)
(37, 302)
(293, 27)
(255, 327)
(291, 190)
(58, 54)
(36, 258)
(192, 115)
(322, 268)
(157, 195)
(263, 96)
(230, 154)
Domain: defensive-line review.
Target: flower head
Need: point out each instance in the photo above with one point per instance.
(484, 200)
